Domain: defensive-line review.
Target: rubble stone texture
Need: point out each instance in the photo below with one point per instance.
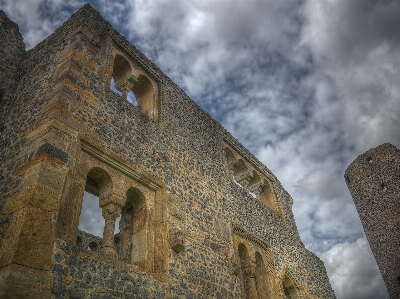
(374, 183)
(201, 217)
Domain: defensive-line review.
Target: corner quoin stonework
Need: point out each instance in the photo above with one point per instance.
(201, 217)
(374, 183)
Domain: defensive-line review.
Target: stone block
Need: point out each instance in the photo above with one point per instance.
(139, 247)
(177, 240)
(17, 282)
(28, 240)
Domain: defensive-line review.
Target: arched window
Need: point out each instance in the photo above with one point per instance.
(134, 85)
(121, 68)
(145, 96)
(91, 221)
(290, 287)
(229, 157)
(132, 236)
(267, 196)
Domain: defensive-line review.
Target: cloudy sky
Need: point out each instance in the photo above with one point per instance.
(306, 85)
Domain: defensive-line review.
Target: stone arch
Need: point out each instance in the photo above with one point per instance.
(145, 96)
(290, 286)
(229, 157)
(133, 222)
(239, 166)
(267, 196)
(98, 181)
(120, 67)
(128, 78)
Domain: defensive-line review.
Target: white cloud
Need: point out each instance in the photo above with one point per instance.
(353, 272)
(37, 18)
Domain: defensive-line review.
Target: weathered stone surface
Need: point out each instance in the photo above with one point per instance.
(169, 170)
(23, 282)
(374, 183)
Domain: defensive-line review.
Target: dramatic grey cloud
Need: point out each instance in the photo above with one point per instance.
(91, 220)
(352, 264)
(306, 85)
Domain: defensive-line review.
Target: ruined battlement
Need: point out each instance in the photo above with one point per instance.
(200, 216)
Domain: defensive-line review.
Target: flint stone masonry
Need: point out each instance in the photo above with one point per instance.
(374, 183)
(187, 228)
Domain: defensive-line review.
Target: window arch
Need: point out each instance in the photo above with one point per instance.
(261, 279)
(135, 85)
(290, 286)
(267, 196)
(91, 222)
(133, 222)
(229, 157)
(121, 68)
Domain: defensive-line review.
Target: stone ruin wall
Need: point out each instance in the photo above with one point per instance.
(374, 183)
(200, 235)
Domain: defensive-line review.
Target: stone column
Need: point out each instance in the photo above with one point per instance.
(125, 92)
(110, 213)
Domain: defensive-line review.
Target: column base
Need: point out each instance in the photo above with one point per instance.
(110, 252)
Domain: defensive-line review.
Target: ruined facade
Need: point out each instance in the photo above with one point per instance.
(374, 183)
(200, 216)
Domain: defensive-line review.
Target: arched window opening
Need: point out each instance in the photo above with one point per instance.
(121, 69)
(79, 241)
(144, 92)
(239, 167)
(134, 87)
(113, 88)
(291, 288)
(93, 246)
(132, 98)
(91, 220)
(122, 78)
(132, 239)
(229, 157)
(263, 287)
(267, 196)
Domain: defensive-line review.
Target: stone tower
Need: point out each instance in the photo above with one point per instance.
(374, 183)
(200, 216)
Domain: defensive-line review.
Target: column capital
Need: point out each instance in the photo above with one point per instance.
(111, 197)
(111, 211)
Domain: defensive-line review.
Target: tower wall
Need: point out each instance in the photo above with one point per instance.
(374, 183)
